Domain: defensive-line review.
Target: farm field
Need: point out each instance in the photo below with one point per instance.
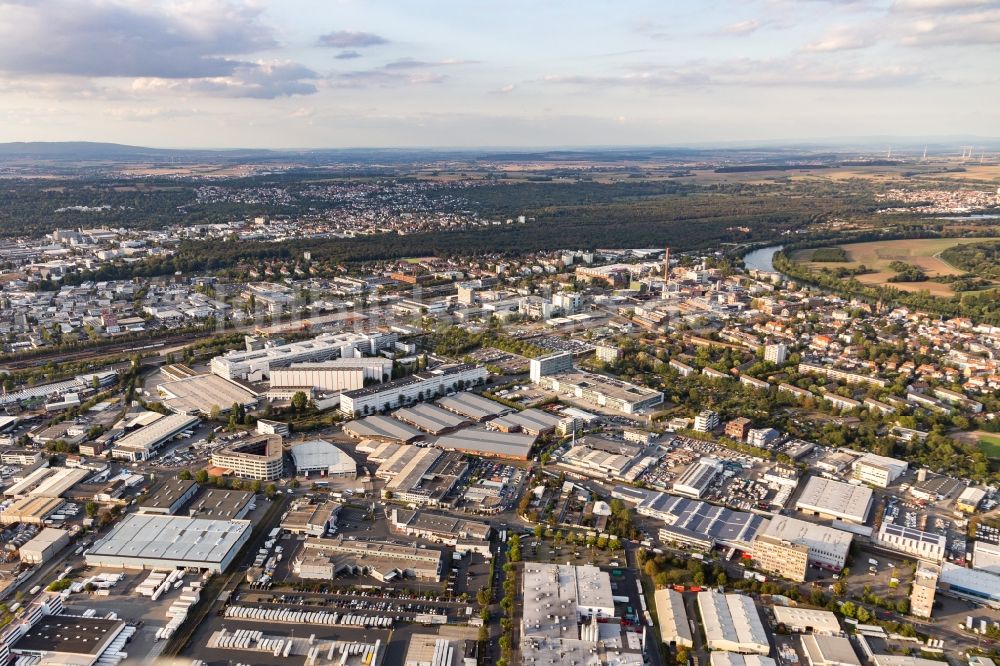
(920, 252)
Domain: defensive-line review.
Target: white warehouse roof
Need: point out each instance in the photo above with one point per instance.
(318, 455)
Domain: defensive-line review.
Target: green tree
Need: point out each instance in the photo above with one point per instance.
(91, 509)
(299, 401)
(184, 475)
(201, 476)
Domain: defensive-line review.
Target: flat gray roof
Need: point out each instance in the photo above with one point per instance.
(836, 498)
(486, 442)
(167, 494)
(472, 405)
(429, 418)
(152, 537)
(69, 634)
(534, 420)
(200, 392)
(148, 437)
(220, 503)
(382, 427)
(319, 454)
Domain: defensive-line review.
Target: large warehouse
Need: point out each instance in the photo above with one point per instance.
(473, 406)
(530, 421)
(342, 374)
(142, 443)
(256, 364)
(732, 623)
(696, 523)
(382, 428)
(674, 627)
(412, 388)
(198, 394)
(429, 418)
(827, 498)
(318, 455)
(508, 445)
(146, 541)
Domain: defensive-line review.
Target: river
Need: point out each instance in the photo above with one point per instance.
(761, 259)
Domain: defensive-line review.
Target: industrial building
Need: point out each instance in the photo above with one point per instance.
(430, 419)
(807, 620)
(413, 388)
(697, 478)
(258, 457)
(674, 627)
(318, 455)
(382, 428)
(47, 482)
(143, 443)
(603, 391)
(923, 545)
(438, 527)
(30, 510)
(986, 556)
(732, 623)
(435, 650)
(198, 394)
(311, 519)
(68, 639)
(256, 364)
(144, 541)
(982, 587)
(421, 475)
(222, 504)
(970, 499)
(486, 443)
(472, 406)
(550, 364)
(878, 470)
(530, 421)
(558, 598)
(827, 498)
(325, 558)
(734, 659)
(46, 543)
(830, 651)
(169, 497)
(583, 459)
(787, 546)
(699, 524)
(342, 374)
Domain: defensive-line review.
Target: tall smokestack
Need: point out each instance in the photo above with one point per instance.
(666, 271)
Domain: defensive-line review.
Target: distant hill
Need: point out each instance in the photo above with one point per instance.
(88, 151)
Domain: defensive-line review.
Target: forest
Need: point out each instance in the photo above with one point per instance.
(980, 259)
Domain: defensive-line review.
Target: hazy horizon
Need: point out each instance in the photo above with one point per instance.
(304, 74)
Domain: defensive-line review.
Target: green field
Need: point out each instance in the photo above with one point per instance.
(990, 444)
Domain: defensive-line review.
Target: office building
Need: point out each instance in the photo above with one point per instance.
(550, 364)
(706, 421)
(976, 585)
(738, 428)
(258, 457)
(925, 581)
(827, 498)
(732, 623)
(878, 470)
(787, 546)
(608, 354)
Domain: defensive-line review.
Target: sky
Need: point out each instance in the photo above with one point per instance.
(498, 73)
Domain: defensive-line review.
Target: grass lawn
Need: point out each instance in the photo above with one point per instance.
(990, 444)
